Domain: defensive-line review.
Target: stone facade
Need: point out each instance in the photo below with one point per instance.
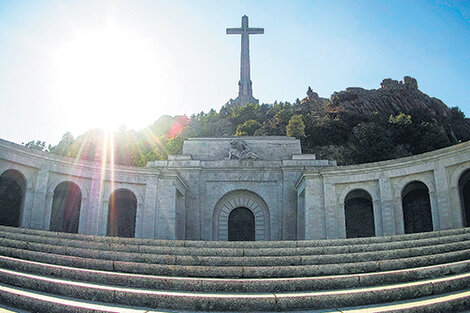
(190, 196)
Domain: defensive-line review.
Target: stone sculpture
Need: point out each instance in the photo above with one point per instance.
(240, 151)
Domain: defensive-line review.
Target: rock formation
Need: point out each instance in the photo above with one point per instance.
(392, 98)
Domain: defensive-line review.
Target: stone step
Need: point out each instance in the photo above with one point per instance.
(235, 244)
(238, 285)
(204, 301)
(41, 302)
(237, 261)
(236, 271)
(234, 252)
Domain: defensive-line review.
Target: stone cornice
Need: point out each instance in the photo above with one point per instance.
(406, 162)
(49, 158)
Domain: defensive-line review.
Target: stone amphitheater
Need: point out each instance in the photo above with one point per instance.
(231, 225)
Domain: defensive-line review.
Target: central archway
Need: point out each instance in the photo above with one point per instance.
(241, 225)
(233, 209)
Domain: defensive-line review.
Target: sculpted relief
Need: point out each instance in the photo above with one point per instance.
(239, 150)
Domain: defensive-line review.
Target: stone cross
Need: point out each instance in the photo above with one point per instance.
(245, 92)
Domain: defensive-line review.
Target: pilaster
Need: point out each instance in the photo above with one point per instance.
(387, 207)
(442, 196)
(39, 200)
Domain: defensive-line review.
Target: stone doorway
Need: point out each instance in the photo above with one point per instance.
(416, 208)
(65, 212)
(464, 191)
(122, 213)
(12, 193)
(359, 214)
(241, 225)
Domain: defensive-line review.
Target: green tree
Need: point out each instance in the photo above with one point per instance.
(296, 127)
(63, 147)
(277, 125)
(248, 128)
(370, 142)
(174, 145)
(36, 145)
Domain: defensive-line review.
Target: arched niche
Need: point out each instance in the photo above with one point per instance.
(65, 210)
(464, 193)
(241, 199)
(122, 213)
(359, 214)
(12, 194)
(416, 204)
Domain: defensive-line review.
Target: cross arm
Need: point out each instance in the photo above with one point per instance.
(253, 31)
(234, 31)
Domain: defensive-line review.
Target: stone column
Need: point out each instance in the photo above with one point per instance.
(378, 219)
(25, 217)
(334, 213)
(166, 209)
(315, 227)
(145, 225)
(442, 196)
(91, 213)
(387, 207)
(39, 200)
(289, 218)
(103, 217)
(48, 210)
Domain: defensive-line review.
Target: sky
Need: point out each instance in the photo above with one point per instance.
(77, 65)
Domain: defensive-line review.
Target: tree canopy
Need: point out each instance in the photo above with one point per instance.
(343, 135)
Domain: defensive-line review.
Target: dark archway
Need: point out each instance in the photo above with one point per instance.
(121, 214)
(241, 225)
(416, 208)
(12, 193)
(65, 212)
(464, 192)
(359, 214)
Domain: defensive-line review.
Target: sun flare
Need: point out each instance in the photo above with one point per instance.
(104, 74)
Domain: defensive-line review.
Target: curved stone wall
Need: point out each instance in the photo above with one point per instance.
(302, 198)
(325, 191)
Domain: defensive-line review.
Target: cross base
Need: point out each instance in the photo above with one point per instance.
(243, 100)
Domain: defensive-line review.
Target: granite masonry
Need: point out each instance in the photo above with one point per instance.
(263, 186)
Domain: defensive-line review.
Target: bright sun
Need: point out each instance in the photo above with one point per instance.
(105, 75)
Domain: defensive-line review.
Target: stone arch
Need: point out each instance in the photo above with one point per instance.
(416, 205)
(367, 188)
(397, 195)
(12, 195)
(245, 199)
(407, 180)
(359, 214)
(122, 210)
(455, 195)
(464, 195)
(65, 207)
(373, 192)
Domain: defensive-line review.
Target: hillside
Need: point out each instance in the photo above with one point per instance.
(353, 126)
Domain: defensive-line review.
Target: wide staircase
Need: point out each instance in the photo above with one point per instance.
(43, 271)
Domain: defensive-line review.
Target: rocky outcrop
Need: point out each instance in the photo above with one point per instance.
(393, 97)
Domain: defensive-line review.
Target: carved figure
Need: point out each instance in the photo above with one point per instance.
(240, 151)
